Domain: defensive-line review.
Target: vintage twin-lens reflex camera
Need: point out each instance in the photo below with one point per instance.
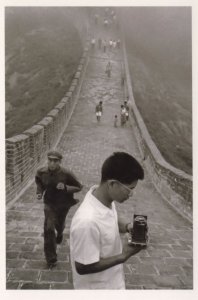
(139, 234)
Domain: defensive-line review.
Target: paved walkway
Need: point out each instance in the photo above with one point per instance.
(167, 261)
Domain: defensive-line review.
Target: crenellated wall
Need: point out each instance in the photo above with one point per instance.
(27, 151)
(174, 185)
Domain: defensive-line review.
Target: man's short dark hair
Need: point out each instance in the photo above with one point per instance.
(123, 167)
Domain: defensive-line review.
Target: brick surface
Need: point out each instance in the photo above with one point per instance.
(13, 263)
(169, 281)
(32, 255)
(53, 276)
(11, 285)
(62, 286)
(164, 269)
(12, 254)
(143, 269)
(167, 261)
(133, 287)
(25, 275)
(137, 279)
(35, 264)
(35, 286)
(182, 253)
(178, 261)
(22, 247)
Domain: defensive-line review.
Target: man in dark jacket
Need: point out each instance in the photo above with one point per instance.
(56, 186)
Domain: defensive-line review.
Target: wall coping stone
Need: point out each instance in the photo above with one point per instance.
(74, 81)
(17, 138)
(53, 112)
(45, 121)
(64, 100)
(72, 88)
(34, 129)
(60, 106)
(68, 94)
(79, 68)
(77, 75)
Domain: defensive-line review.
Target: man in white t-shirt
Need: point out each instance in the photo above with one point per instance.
(97, 254)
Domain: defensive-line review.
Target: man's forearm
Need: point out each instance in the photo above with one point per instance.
(39, 186)
(73, 189)
(103, 264)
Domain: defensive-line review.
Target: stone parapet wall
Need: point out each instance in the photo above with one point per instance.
(27, 151)
(173, 184)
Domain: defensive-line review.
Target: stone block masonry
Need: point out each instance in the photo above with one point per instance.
(69, 97)
(36, 134)
(61, 107)
(54, 113)
(47, 124)
(18, 152)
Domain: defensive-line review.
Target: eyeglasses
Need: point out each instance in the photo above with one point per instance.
(130, 190)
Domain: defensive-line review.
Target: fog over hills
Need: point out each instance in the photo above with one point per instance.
(42, 50)
(165, 33)
(159, 47)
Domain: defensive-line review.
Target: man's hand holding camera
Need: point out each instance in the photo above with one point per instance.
(129, 227)
(129, 250)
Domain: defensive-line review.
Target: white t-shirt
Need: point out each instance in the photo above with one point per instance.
(94, 234)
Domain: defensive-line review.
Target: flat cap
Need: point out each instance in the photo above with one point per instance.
(54, 154)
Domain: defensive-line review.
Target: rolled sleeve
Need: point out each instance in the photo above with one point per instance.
(86, 243)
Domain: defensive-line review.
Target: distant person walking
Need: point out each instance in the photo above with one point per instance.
(106, 24)
(104, 46)
(99, 111)
(96, 19)
(110, 44)
(106, 12)
(122, 79)
(115, 121)
(108, 69)
(114, 19)
(127, 110)
(123, 115)
(56, 185)
(93, 42)
(114, 44)
(118, 43)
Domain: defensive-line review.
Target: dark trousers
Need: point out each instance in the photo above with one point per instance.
(54, 220)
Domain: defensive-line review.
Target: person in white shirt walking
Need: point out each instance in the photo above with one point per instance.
(97, 253)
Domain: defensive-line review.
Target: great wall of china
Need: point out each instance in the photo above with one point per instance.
(25, 152)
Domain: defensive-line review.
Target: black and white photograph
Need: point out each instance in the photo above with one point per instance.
(98, 147)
